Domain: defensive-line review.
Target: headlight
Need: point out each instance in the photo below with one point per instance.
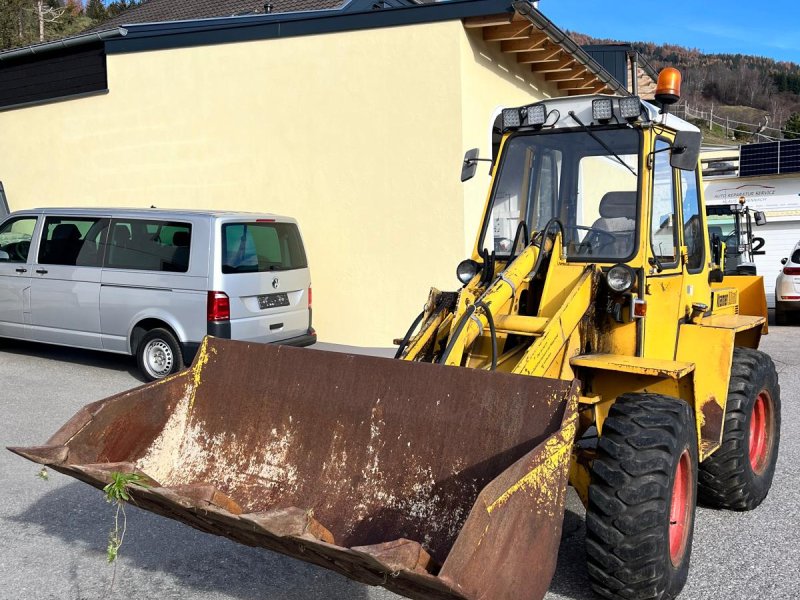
(466, 270)
(620, 278)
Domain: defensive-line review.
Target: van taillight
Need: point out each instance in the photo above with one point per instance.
(309, 296)
(218, 307)
(791, 270)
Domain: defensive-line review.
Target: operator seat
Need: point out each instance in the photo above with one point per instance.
(617, 217)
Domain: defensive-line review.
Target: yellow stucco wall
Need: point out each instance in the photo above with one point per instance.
(490, 81)
(358, 135)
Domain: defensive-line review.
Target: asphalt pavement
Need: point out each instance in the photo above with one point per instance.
(53, 533)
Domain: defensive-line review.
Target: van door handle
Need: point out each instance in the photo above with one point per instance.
(20, 270)
(41, 271)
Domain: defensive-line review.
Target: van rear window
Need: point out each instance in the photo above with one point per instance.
(254, 247)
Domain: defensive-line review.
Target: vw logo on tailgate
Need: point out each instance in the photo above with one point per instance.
(276, 283)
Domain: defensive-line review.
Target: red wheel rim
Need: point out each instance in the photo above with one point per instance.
(680, 509)
(759, 433)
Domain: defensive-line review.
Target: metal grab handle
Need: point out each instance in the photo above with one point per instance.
(22, 270)
(41, 271)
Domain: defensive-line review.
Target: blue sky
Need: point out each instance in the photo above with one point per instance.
(711, 26)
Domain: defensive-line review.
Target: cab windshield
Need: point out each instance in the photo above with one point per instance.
(571, 176)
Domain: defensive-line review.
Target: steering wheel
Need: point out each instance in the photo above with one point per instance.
(21, 250)
(610, 237)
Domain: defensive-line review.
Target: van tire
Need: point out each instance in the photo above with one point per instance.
(642, 499)
(159, 354)
(739, 474)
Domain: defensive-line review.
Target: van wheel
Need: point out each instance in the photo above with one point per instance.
(739, 474)
(159, 354)
(642, 498)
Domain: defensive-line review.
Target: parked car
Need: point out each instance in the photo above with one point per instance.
(153, 283)
(787, 289)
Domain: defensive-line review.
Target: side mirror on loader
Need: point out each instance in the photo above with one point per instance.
(470, 164)
(760, 217)
(686, 150)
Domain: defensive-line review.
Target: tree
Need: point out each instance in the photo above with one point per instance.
(96, 10)
(120, 6)
(792, 127)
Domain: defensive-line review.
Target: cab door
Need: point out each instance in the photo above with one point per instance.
(16, 237)
(695, 245)
(665, 272)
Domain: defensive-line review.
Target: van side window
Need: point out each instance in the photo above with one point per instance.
(15, 239)
(72, 241)
(147, 245)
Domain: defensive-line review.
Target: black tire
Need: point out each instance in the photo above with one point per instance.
(638, 543)
(158, 354)
(729, 478)
(780, 317)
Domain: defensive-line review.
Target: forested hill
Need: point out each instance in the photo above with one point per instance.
(726, 79)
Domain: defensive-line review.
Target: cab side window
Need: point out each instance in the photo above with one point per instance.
(692, 223)
(15, 239)
(663, 217)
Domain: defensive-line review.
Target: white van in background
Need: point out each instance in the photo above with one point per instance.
(152, 283)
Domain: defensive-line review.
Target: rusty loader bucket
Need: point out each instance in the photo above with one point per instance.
(435, 482)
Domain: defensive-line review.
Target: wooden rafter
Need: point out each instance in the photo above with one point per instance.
(564, 64)
(512, 31)
(490, 21)
(578, 84)
(532, 42)
(546, 52)
(574, 75)
(597, 89)
(518, 36)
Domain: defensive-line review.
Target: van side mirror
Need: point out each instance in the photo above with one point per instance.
(784, 261)
(686, 150)
(470, 164)
(760, 217)
(5, 256)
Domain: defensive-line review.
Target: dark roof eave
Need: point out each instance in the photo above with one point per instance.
(177, 34)
(69, 42)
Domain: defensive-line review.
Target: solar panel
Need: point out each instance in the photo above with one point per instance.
(759, 159)
(790, 156)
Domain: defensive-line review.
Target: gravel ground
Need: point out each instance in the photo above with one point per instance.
(53, 533)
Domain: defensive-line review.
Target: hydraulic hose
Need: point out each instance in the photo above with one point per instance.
(407, 337)
(544, 231)
(457, 333)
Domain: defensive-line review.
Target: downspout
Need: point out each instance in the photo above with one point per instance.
(70, 42)
(528, 9)
(634, 60)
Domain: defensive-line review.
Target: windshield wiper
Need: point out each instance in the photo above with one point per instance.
(601, 142)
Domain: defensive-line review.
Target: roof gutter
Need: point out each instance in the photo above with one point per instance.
(70, 42)
(527, 9)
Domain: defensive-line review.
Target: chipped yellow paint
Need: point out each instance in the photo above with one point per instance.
(543, 477)
(197, 369)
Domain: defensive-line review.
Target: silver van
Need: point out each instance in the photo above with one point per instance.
(152, 283)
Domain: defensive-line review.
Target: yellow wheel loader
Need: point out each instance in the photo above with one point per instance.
(595, 342)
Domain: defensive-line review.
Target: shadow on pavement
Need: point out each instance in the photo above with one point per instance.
(79, 515)
(91, 358)
(571, 579)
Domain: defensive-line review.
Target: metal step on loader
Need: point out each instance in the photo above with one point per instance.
(596, 341)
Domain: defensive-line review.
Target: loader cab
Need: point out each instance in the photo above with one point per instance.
(620, 178)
